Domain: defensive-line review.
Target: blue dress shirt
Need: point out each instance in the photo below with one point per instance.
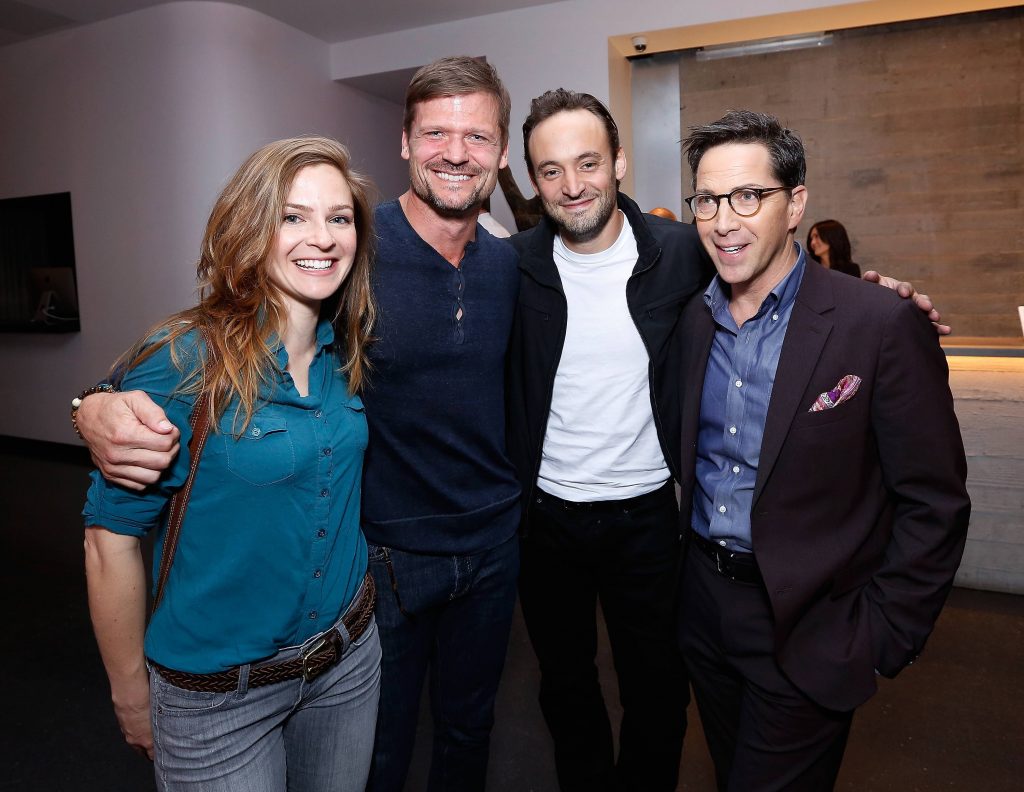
(734, 404)
(270, 551)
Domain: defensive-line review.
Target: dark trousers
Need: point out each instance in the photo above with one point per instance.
(451, 614)
(623, 554)
(763, 733)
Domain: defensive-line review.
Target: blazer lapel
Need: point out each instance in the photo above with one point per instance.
(809, 327)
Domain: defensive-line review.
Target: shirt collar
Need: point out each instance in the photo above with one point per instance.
(780, 298)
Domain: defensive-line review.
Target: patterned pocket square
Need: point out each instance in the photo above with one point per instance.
(844, 390)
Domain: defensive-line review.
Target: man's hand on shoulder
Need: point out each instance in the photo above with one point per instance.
(905, 290)
(129, 437)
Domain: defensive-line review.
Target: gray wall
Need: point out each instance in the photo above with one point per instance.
(143, 118)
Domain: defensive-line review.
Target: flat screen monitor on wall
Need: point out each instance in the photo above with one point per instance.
(38, 293)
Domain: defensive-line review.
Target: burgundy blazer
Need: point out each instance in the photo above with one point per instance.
(859, 512)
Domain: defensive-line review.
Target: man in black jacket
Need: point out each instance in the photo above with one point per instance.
(593, 424)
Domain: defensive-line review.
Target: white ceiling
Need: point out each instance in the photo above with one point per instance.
(329, 20)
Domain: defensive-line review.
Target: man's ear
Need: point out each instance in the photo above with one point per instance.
(797, 205)
(405, 145)
(503, 160)
(620, 164)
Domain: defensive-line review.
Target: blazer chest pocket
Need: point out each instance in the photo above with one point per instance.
(848, 413)
(263, 454)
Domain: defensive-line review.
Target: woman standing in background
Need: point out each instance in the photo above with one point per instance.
(829, 245)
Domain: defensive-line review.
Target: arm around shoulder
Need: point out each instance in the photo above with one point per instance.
(906, 290)
(132, 438)
(129, 437)
(138, 508)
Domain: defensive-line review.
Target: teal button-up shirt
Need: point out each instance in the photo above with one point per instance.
(270, 551)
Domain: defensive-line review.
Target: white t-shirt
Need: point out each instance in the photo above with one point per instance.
(601, 442)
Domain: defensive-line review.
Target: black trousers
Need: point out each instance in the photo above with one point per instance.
(623, 554)
(763, 733)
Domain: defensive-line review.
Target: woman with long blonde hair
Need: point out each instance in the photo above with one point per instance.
(259, 669)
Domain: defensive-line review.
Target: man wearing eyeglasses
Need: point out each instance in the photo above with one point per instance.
(823, 488)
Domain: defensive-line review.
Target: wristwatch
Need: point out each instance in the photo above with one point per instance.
(103, 387)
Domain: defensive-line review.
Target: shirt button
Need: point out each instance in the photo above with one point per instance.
(732, 430)
(775, 317)
(735, 468)
(721, 509)
(327, 452)
(255, 431)
(321, 533)
(318, 414)
(312, 614)
(323, 492)
(722, 542)
(317, 573)
(739, 383)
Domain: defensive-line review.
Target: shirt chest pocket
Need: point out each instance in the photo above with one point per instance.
(263, 454)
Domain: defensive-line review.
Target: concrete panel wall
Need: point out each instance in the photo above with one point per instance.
(915, 142)
(989, 395)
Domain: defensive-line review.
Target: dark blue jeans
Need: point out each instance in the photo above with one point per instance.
(623, 554)
(451, 614)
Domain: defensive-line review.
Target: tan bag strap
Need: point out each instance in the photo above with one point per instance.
(199, 420)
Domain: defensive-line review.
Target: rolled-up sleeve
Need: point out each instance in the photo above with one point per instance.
(130, 512)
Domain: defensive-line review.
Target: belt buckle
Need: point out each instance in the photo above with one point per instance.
(308, 673)
(725, 565)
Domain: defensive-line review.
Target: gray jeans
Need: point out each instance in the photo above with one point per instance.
(297, 736)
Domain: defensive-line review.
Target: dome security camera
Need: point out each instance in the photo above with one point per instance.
(640, 43)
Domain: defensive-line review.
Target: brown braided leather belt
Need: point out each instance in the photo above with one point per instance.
(321, 654)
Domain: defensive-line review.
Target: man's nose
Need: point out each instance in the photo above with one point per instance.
(726, 219)
(572, 185)
(455, 152)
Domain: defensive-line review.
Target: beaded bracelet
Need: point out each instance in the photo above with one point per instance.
(103, 387)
